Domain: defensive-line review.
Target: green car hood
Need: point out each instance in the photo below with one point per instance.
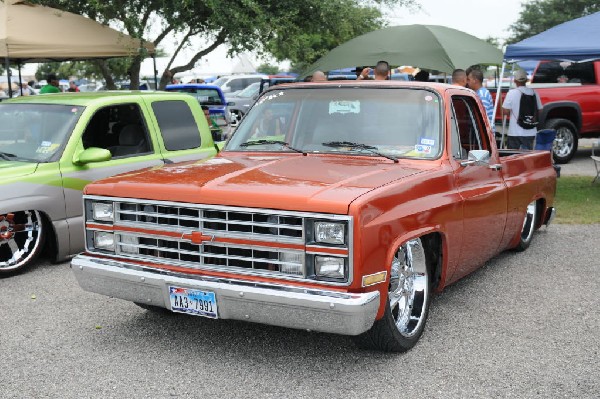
(13, 169)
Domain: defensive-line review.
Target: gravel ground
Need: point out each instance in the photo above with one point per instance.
(523, 326)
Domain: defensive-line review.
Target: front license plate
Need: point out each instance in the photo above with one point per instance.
(194, 302)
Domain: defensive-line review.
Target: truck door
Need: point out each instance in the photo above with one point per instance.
(482, 188)
(120, 128)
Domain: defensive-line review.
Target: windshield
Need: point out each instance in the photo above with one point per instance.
(35, 132)
(250, 91)
(394, 122)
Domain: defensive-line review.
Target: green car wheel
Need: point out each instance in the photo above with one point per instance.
(21, 239)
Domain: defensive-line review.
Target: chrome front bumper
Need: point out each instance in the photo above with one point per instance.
(273, 304)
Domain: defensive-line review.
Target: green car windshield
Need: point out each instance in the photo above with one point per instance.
(392, 122)
(35, 132)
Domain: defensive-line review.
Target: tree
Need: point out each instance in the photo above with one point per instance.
(268, 69)
(253, 25)
(540, 15)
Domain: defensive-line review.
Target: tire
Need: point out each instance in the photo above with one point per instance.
(407, 303)
(236, 117)
(566, 143)
(529, 223)
(21, 240)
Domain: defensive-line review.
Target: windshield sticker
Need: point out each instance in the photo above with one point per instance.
(428, 98)
(74, 110)
(423, 149)
(46, 148)
(269, 97)
(429, 142)
(344, 107)
(46, 144)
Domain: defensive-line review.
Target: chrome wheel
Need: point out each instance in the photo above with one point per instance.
(564, 142)
(409, 288)
(528, 228)
(21, 236)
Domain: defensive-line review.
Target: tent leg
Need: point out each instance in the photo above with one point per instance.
(7, 63)
(20, 78)
(155, 72)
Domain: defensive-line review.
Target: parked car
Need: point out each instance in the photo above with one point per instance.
(210, 96)
(569, 108)
(53, 145)
(337, 207)
(233, 83)
(240, 103)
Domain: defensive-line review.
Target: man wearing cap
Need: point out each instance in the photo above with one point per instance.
(519, 137)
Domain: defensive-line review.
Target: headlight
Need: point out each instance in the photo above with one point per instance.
(104, 240)
(329, 266)
(330, 233)
(102, 211)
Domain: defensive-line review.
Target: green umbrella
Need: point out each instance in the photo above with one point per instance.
(430, 47)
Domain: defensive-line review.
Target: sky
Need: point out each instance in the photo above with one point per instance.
(480, 18)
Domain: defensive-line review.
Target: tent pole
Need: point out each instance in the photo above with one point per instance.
(497, 102)
(20, 78)
(7, 63)
(155, 72)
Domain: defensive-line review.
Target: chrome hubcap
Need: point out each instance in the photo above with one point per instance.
(564, 142)
(408, 292)
(528, 222)
(19, 238)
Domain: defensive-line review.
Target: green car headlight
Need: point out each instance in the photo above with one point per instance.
(330, 232)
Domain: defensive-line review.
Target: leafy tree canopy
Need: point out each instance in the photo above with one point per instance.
(289, 29)
(540, 15)
(267, 69)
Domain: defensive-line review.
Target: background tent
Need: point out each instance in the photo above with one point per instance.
(575, 40)
(37, 33)
(430, 47)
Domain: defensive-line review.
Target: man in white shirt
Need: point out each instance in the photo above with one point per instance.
(519, 137)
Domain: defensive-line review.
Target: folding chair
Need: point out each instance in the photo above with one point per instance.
(596, 158)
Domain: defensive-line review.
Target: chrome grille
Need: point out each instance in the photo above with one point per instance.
(289, 262)
(234, 222)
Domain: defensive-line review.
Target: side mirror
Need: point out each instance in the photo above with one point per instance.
(477, 157)
(91, 155)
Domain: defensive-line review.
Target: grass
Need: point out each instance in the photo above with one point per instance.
(577, 200)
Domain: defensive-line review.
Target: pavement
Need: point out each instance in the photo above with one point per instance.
(581, 164)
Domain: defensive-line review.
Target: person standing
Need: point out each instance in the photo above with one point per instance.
(459, 78)
(518, 135)
(52, 86)
(475, 83)
(73, 87)
(381, 72)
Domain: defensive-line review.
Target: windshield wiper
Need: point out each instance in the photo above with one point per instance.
(6, 156)
(359, 146)
(262, 142)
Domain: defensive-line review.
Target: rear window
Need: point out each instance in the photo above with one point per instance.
(177, 125)
(565, 72)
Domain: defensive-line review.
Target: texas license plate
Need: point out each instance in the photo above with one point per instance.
(194, 302)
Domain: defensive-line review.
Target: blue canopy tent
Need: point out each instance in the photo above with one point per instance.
(575, 40)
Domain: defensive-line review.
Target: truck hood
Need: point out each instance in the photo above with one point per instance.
(312, 183)
(15, 169)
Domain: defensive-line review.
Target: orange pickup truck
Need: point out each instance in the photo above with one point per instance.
(337, 207)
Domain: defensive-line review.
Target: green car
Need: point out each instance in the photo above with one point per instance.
(52, 145)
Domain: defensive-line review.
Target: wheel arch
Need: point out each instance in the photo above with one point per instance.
(564, 110)
(435, 244)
